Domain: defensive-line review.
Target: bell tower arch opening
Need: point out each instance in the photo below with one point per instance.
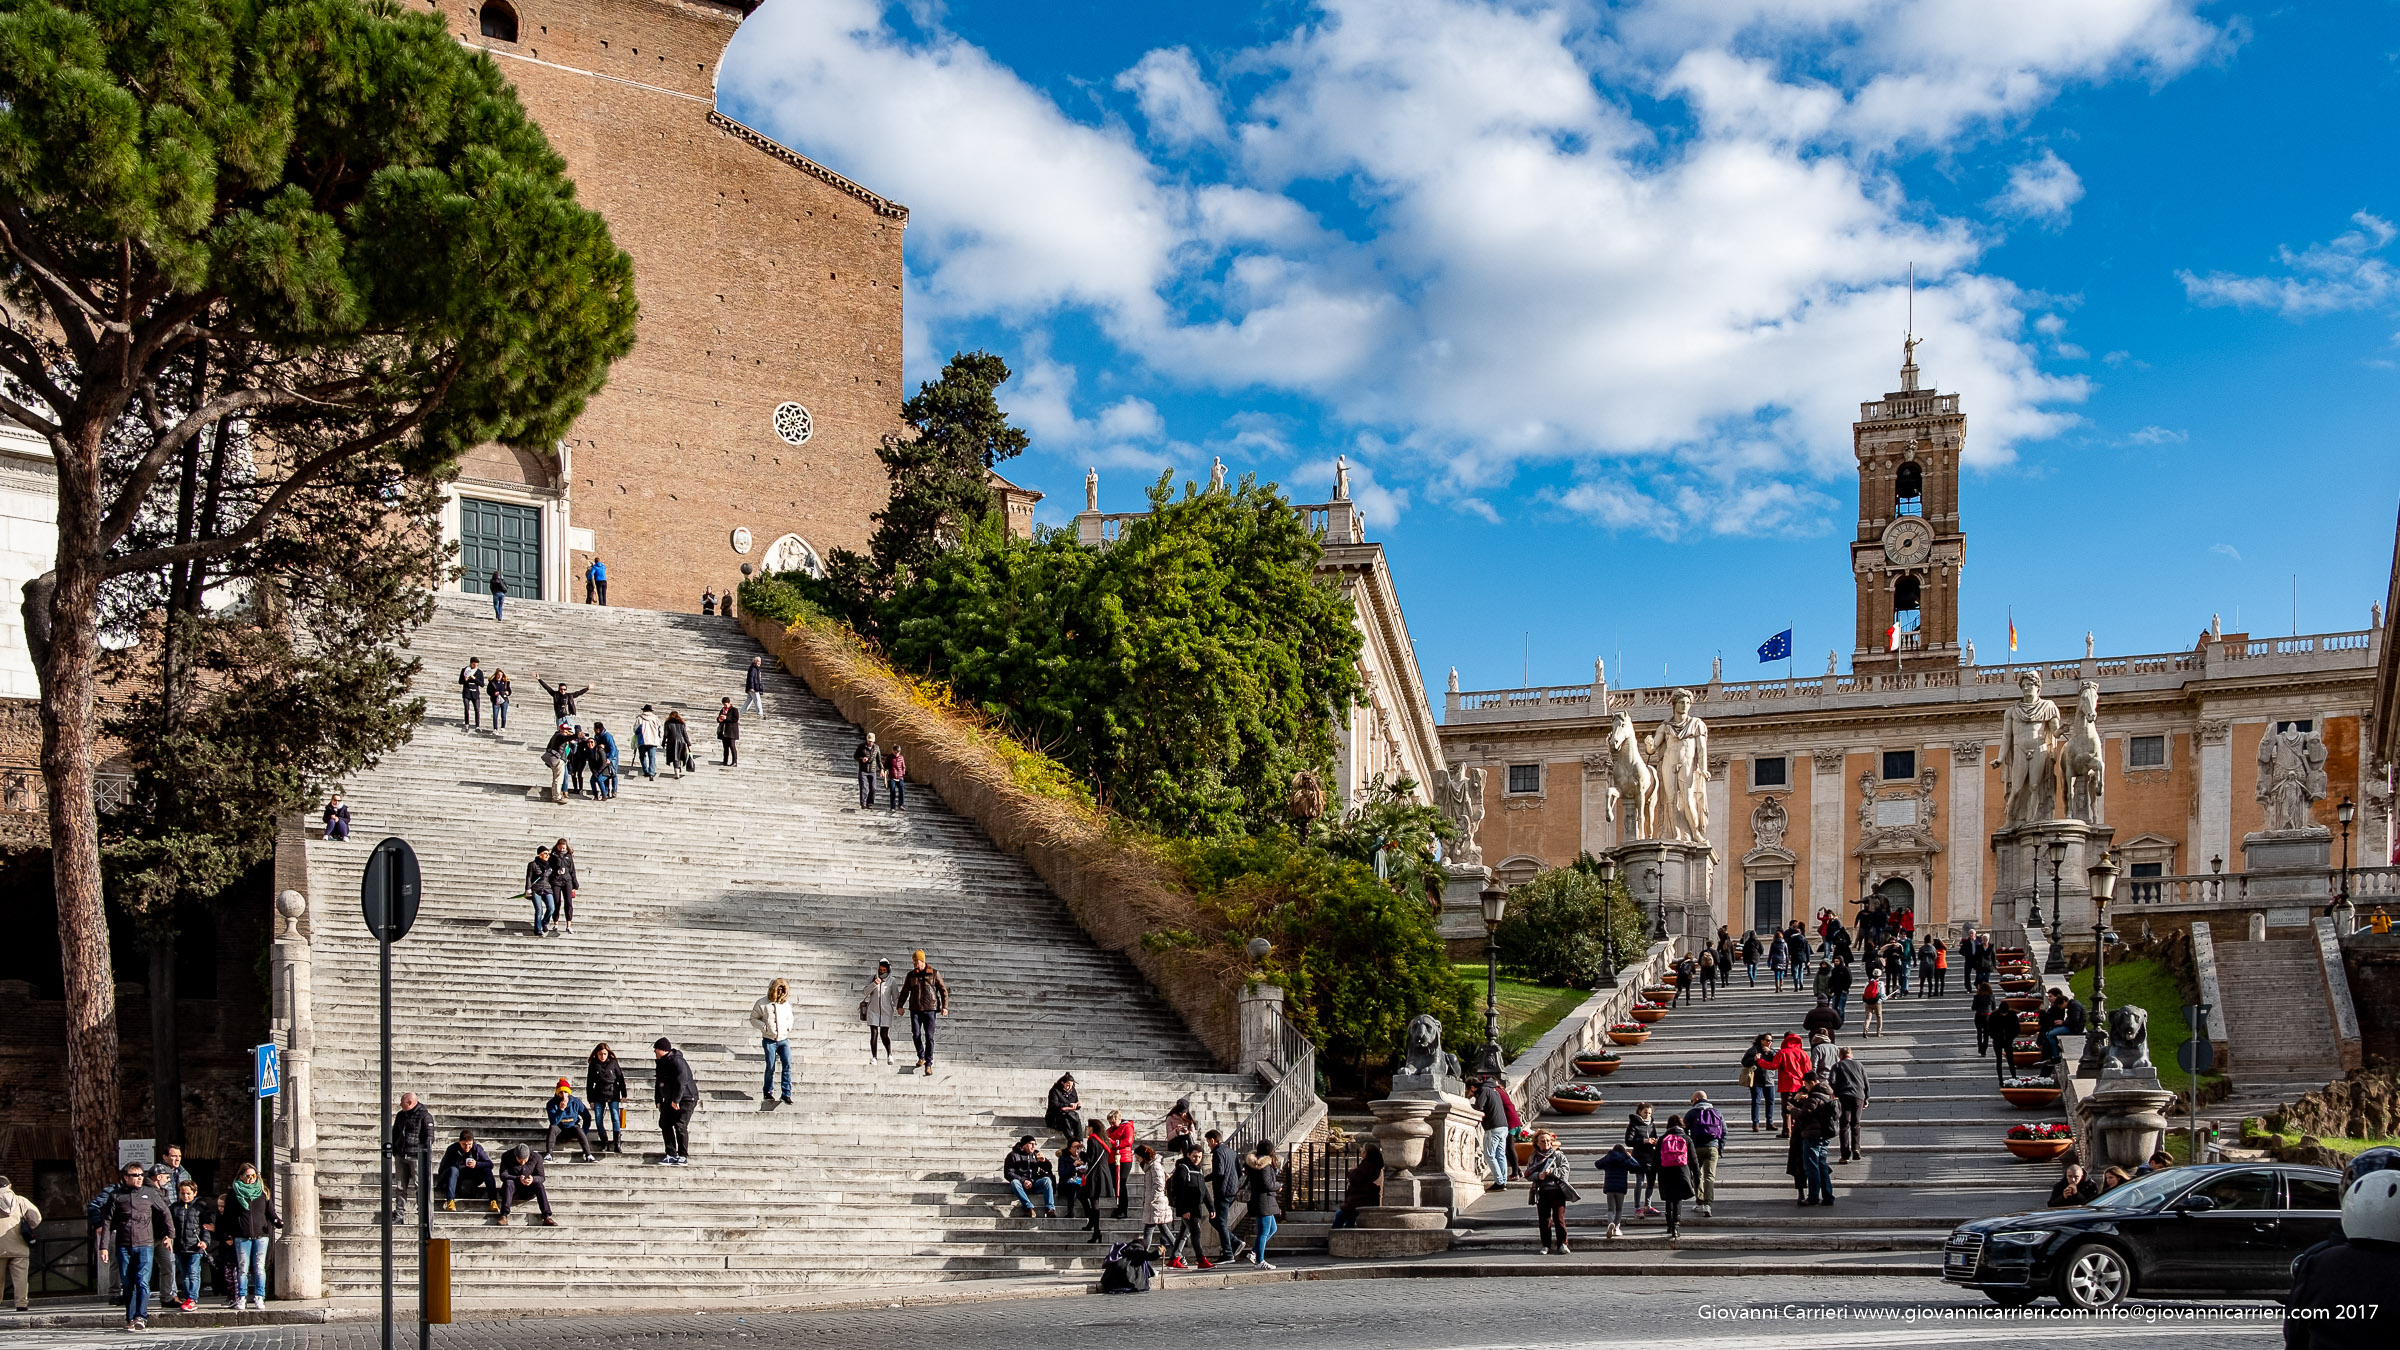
(1910, 547)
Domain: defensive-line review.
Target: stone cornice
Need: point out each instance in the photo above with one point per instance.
(883, 206)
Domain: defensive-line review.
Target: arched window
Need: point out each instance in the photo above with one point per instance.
(1908, 491)
(1908, 604)
(498, 21)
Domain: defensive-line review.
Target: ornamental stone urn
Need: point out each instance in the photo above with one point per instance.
(1402, 1225)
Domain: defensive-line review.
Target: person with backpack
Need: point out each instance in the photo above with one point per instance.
(1551, 1191)
(1706, 1126)
(1850, 1092)
(1708, 974)
(1675, 1173)
(604, 1088)
(676, 1091)
(1641, 1140)
(19, 1217)
(470, 692)
(1617, 1170)
(1685, 970)
(1758, 1076)
(1187, 1195)
(1026, 1171)
(1265, 1189)
(1872, 997)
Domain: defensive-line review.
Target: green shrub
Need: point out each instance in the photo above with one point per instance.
(1553, 929)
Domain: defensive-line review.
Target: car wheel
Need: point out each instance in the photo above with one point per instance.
(2095, 1276)
(2011, 1298)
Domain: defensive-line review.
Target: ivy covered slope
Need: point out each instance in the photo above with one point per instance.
(1174, 684)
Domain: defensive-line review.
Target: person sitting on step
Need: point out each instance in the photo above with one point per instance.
(522, 1174)
(465, 1164)
(567, 1116)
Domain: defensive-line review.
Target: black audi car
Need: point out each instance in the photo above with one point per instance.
(2227, 1229)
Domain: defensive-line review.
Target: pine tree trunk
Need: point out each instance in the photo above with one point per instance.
(64, 634)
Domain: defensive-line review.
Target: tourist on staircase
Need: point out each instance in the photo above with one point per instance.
(564, 882)
(1758, 1075)
(1490, 1099)
(1026, 1171)
(928, 999)
(895, 779)
(875, 1008)
(1104, 1179)
(1791, 1068)
(131, 1219)
(1225, 1190)
(523, 1174)
(412, 1138)
(771, 1018)
(868, 757)
(1750, 955)
(1706, 1126)
(1265, 1193)
(1813, 1127)
(604, 763)
(595, 582)
(645, 743)
(1797, 940)
(562, 699)
(1641, 1140)
(579, 764)
(566, 1115)
(1551, 1191)
(754, 687)
(1708, 974)
(1187, 1192)
(729, 734)
(470, 692)
(708, 602)
(1872, 996)
(1063, 1110)
(246, 1213)
(1685, 970)
(1851, 1092)
(677, 738)
(466, 1164)
(2001, 1027)
(604, 1088)
(499, 594)
(1675, 1173)
(1618, 1169)
(1779, 958)
(1179, 1127)
(677, 1093)
(1822, 1019)
(538, 884)
(195, 1227)
(1837, 983)
(1119, 1137)
(554, 758)
(1078, 1185)
(1158, 1211)
(500, 688)
(337, 818)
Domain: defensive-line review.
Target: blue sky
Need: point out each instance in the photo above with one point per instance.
(1589, 294)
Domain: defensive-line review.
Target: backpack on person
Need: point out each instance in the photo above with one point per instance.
(1874, 993)
(1674, 1151)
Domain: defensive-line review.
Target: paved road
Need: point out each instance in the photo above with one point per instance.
(1554, 1314)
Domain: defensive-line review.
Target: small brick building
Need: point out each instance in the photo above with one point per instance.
(766, 367)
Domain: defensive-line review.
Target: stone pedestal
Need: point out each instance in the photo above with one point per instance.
(1262, 1027)
(1405, 1224)
(2288, 873)
(1673, 875)
(299, 1251)
(2121, 1123)
(1461, 922)
(2023, 870)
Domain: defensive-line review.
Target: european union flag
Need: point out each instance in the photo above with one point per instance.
(1776, 648)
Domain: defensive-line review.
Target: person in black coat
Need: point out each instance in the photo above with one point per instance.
(562, 699)
(466, 1165)
(1263, 1186)
(1063, 1111)
(604, 1088)
(676, 738)
(1187, 1194)
(1079, 1185)
(412, 1138)
(132, 1220)
(2002, 1028)
(1822, 1018)
(1225, 1189)
(676, 1091)
(729, 733)
(521, 1173)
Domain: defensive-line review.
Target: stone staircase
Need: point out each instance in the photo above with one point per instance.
(695, 894)
(1931, 1135)
(2280, 1026)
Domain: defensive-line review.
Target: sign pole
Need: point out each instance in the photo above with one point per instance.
(383, 1127)
(425, 1245)
(388, 897)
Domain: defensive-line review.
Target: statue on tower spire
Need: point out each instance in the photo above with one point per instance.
(1908, 362)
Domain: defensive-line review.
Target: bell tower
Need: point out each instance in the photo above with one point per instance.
(1910, 549)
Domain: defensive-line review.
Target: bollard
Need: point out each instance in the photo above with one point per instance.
(436, 1277)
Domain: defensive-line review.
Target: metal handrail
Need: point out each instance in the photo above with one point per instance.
(1292, 1088)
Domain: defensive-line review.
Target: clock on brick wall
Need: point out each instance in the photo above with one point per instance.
(1908, 541)
(793, 423)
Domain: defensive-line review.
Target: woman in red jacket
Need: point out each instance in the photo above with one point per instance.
(1792, 1067)
(1120, 1134)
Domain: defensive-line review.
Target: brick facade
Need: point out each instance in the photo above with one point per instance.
(763, 278)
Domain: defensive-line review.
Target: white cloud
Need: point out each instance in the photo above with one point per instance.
(1534, 271)
(1181, 106)
(2041, 189)
(2344, 273)
(2158, 436)
(2228, 550)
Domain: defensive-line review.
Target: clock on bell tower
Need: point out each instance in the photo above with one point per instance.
(1909, 550)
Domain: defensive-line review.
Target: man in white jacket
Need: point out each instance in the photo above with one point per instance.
(772, 1017)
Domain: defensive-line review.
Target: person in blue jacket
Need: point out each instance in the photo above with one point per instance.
(567, 1115)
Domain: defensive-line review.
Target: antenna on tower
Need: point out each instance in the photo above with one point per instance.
(1908, 340)
(1912, 299)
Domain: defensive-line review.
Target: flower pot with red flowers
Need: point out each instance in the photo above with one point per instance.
(1598, 1064)
(2040, 1143)
(1649, 1012)
(1659, 993)
(2026, 1050)
(1628, 1033)
(2030, 1092)
(1521, 1144)
(1575, 1099)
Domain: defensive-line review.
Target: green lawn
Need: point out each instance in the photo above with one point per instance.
(2152, 986)
(1527, 1011)
(2345, 1147)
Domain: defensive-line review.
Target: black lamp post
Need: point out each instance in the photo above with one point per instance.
(2103, 875)
(1608, 928)
(1495, 905)
(2057, 964)
(1661, 892)
(2341, 910)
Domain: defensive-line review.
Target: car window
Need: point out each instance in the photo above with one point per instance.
(2314, 1192)
(2142, 1192)
(2251, 1189)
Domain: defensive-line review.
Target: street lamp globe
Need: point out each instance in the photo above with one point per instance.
(1495, 907)
(2346, 812)
(2103, 875)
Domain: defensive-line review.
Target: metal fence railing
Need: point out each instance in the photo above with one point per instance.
(1317, 1174)
(64, 1261)
(1292, 1088)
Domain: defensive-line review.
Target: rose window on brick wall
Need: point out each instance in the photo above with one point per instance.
(792, 423)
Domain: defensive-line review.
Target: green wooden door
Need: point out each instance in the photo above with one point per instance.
(504, 536)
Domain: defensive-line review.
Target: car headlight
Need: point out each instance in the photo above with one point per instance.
(2023, 1237)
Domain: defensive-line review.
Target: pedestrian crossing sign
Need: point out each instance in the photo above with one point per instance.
(267, 1081)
